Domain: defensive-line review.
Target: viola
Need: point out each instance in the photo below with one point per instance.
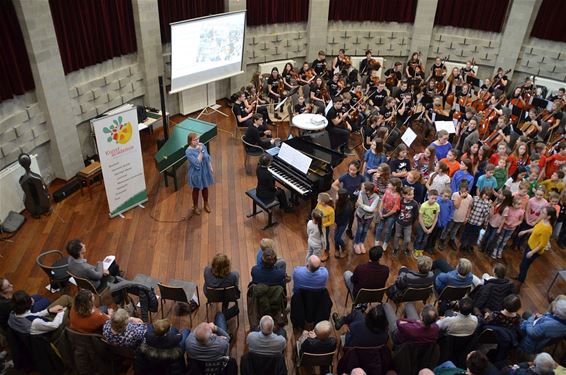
(347, 60)
(281, 87)
(309, 74)
(439, 109)
(450, 99)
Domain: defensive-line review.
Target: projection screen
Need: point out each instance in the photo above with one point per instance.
(206, 49)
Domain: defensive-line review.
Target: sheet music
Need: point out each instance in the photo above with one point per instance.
(295, 158)
(108, 261)
(409, 137)
(445, 125)
(328, 106)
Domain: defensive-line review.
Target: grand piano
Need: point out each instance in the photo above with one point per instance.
(319, 176)
(171, 155)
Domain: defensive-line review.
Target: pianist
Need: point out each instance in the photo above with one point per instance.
(253, 134)
(266, 189)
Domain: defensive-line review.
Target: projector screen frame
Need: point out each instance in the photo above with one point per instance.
(241, 71)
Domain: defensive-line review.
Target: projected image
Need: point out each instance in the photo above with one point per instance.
(219, 45)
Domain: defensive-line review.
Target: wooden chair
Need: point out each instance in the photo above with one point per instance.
(453, 293)
(368, 296)
(250, 150)
(413, 295)
(89, 348)
(179, 291)
(224, 296)
(56, 271)
(120, 357)
(88, 285)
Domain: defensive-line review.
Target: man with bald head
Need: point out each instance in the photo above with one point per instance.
(265, 341)
(207, 342)
(311, 276)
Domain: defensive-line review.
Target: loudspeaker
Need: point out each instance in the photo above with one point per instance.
(66, 190)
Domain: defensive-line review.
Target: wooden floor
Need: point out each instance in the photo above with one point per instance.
(162, 241)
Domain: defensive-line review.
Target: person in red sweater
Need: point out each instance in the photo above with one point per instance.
(413, 329)
(551, 164)
(371, 275)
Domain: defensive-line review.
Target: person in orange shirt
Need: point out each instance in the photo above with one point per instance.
(84, 317)
(553, 163)
(451, 161)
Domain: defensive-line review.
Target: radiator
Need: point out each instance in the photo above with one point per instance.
(11, 194)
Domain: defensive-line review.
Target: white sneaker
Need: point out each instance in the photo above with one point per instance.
(384, 246)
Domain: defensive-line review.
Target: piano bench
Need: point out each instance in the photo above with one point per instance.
(267, 207)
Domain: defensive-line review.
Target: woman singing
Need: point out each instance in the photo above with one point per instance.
(200, 171)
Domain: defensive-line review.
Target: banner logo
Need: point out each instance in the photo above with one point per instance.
(118, 132)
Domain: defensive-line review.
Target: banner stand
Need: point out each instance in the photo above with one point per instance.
(119, 149)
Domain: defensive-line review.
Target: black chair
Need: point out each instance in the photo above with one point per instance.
(224, 296)
(89, 352)
(309, 360)
(367, 296)
(414, 295)
(180, 291)
(374, 360)
(455, 349)
(453, 293)
(487, 336)
(250, 150)
(222, 366)
(56, 269)
(86, 284)
(254, 364)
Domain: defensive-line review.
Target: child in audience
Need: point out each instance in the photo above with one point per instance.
(532, 214)
(381, 178)
(428, 216)
(373, 158)
(514, 217)
(399, 163)
(477, 218)
(523, 194)
(367, 205)
(342, 214)
(444, 217)
(500, 172)
(554, 183)
(439, 180)
(501, 153)
(554, 201)
(325, 206)
(451, 160)
(532, 179)
(390, 205)
(413, 180)
(513, 182)
(487, 180)
(561, 215)
(461, 175)
(408, 214)
(316, 238)
(426, 162)
(497, 216)
(462, 202)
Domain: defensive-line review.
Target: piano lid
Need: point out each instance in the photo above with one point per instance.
(317, 146)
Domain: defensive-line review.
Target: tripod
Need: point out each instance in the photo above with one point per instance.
(208, 110)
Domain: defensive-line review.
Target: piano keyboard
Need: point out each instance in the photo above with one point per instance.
(289, 180)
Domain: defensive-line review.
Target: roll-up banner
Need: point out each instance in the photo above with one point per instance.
(119, 149)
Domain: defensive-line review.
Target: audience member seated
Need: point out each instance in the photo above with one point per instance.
(414, 328)
(123, 330)
(23, 320)
(162, 350)
(265, 341)
(6, 293)
(538, 329)
(367, 330)
(459, 277)
(267, 273)
(462, 322)
(476, 364)
(371, 275)
(268, 243)
(543, 364)
(97, 275)
(406, 278)
(508, 316)
(311, 276)
(208, 341)
(490, 295)
(219, 275)
(84, 316)
(318, 341)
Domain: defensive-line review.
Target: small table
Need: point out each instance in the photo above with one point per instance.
(88, 174)
(310, 122)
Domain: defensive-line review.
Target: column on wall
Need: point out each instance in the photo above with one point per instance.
(51, 88)
(317, 28)
(150, 59)
(422, 28)
(238, 81)
(518, 25)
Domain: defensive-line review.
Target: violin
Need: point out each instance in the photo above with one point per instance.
(309, 74)
(489, 117)
(439, 109)
(496, 82)
(374, 64)
(347, 60)
(324, 93)
(281, 87)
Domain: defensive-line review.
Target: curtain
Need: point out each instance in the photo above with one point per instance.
(179, 10)
(373, 10)
(267, 12)
(92, 31)
(15, 72)
(486, 15)
(550, 21)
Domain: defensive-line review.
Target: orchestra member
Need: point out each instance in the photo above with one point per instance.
(317, 91)
(379, 94)
(200, 169)
(559, 95)
(338, 62)
(275, 87)
(266, 189)
(365, 65)
(500, 81)
(254, 134)
(332, 85)
(393, 75)
(243, 117)
(288, 76)
(338, 129)
(319, 65)
(438, 70)
(468, 71)
(301, 106)
(402, 91)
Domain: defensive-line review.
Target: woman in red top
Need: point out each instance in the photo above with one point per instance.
(84, 317)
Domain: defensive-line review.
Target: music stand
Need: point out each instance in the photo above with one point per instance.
(541, 103)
